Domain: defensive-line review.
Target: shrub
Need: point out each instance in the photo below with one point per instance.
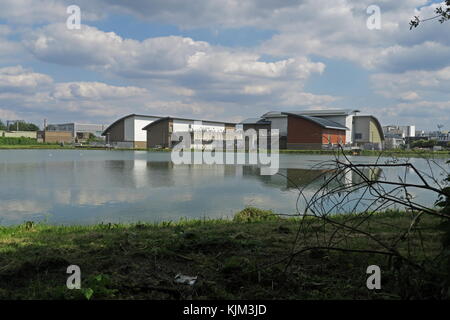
(424, 143)
(251, 214)
(17, 141)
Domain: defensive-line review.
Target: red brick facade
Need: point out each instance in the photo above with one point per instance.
(307, 134)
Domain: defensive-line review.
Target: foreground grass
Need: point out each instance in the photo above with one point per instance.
(232, 259)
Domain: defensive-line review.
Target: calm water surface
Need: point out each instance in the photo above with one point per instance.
(85, 187)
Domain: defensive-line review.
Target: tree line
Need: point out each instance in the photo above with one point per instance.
(19, 126)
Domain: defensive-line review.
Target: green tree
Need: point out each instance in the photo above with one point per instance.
(2, 125)
(424, 143)
(23, 126)
(442, 13)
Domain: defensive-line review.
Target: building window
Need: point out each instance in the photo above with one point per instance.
(358, 135)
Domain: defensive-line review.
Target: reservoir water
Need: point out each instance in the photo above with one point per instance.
(86, 187)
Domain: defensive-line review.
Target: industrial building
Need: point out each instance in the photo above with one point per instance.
(312, 133)
(18, 134)
(78, 131)
(255, 123)
(55, 137)
(162, 133)
(342, 116)
(310, 129)
(361, 131)
(127, 132)
(396, 136)
(367, 133)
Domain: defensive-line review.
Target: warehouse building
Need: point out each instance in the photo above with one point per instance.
(360, 131)
(55, 137)
(300, 131)
(127, 132)
(18, 134)
(368, 133)
(166, 132)
(255, 123)
(313, 133)
(344, 117)
(79, 132)
(262, 128)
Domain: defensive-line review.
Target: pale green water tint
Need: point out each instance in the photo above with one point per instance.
(86, 187)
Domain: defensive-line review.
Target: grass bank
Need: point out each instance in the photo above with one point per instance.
(386, 153)
(34, 146)
(235, 259)
(374, 153)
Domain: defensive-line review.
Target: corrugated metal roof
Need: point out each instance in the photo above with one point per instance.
(325, 112)
(126, 117)
(324, 123)
(254, 121)
(186, 119)
(328, 112)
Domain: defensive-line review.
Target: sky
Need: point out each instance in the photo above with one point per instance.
(222, 60)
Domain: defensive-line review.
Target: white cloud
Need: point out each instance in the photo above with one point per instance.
(94, 91)
(155, 57)
(409, 96)
(422, 113)
(27, 12)
(183, 75)
(256, 90)
(306, 99)
(18, 79)
(176, 65)
(10, 50)
(8, 114)
(413, 83)
(35, 93)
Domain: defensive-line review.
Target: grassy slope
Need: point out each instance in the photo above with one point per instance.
(140, 261)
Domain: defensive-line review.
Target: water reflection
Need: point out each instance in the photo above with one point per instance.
(89, 187)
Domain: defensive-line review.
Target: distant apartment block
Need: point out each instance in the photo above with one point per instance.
(396, 136)
(399, 131)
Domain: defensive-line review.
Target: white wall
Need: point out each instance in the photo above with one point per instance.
(139, 124)
(362, 126)
(408, 131)
(205, 127)
(183, 126)
(129, 129)
(349, 125)
(281, 124)
(134, 128)
(343, 120)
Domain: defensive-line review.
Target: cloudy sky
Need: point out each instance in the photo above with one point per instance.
(222, 60)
